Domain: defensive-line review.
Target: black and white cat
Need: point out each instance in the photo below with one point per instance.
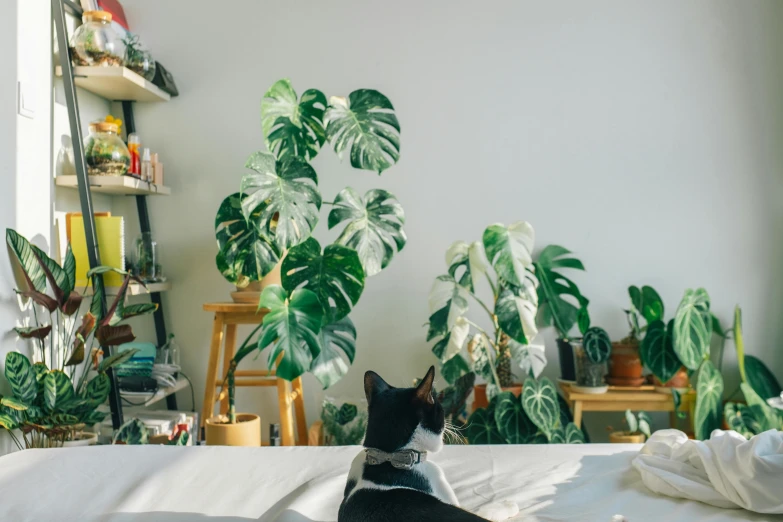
(391, 480)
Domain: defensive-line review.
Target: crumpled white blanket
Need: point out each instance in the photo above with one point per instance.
(726, 471)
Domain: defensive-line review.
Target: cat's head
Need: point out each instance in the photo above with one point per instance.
(409, 418)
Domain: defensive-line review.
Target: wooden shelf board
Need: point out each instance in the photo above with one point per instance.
(116, 185)
(116, 84)
(152, 398)
(133, 289)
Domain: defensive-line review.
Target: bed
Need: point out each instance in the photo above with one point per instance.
(590, 482)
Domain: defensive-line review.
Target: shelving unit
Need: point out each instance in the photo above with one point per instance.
(113, 84)
(151, 398)
(133, 289)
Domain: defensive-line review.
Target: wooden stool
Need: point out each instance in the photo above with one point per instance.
(224, 332)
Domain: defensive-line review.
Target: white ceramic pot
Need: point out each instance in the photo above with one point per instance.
(83, 438)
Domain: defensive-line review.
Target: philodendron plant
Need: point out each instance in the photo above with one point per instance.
(275, 212)
(56, 396)
(560, 303)
(503, 258)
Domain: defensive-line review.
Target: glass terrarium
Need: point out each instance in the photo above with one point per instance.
(105, 152)
(588, 373)
(95, 42)
(137, 59)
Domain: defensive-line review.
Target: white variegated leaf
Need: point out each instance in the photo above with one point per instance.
(530, 358)
(457, 338)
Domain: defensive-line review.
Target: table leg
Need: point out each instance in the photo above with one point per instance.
(228, 354)
(578, 414)
(301, 423)
(286, 418)
(212, 367)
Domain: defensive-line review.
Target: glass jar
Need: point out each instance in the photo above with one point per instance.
(105, 152)
(95, 42)
(141, 62)
(588, 373)
(147, 262)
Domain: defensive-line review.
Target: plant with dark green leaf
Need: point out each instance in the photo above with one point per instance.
(133, 432)
(60, 393)
(559, 298)
(343, 426)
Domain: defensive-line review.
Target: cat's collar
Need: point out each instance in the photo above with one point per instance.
(400, 459)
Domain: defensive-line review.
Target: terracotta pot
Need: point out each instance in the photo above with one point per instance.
(625, 362)
(480, 394)
(246, 432)
(620, 381)
(252, 292)
(83, 438)
(680, 380)
(566, 355)
(621, 437)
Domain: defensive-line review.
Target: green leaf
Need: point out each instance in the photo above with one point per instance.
(346, 413)
(58, 390)
(33, 332)
(636, 297)
(365, 122)
(103, 269)
(8, 422)
(454, 396)
(767, 417)
(291, 327)
(530, 358)
(709, 401)
(336, 276)
(630, 419)
(285, 191)
(136, 310)
(657, 351)
(516, 311)
(14, 404)
(510, 251)
(739, 343)
(481, 428)
(97, 390)
(243, 253)
(116, 359)
(539, 400)
(133, 432)
(293, 127)
(597, 344)
(470, 257)
(693, 328)
(374, 226)
(652, 305)
(573, 435)
(557, 436)
(114, 335)
(454, 369)
(93, 417)
(559, 299)
(56, 276)
(23, 251)
(448, 301)
(69, 267)
(583, 320)
(72, 303)
(740, 418)
(21, 377)
(482, 363)
(761, 379)
(511, 420)
(338, 348)
(716, 327)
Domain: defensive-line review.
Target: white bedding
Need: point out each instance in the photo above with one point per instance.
(210, 484)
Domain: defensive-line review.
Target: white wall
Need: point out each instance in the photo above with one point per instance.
(642, 135)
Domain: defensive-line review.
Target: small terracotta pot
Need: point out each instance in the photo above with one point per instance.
(480, 394)
(246, 432)
(621, 437)
(625, 362)
(252, 292)
(680, 380)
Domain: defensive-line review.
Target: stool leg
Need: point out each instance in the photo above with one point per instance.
(301, 423)
(286, 418)
(214, 353)
(578, 414)
(228, 354)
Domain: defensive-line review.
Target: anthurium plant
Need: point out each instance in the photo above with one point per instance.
(276, 210)
(59, 393)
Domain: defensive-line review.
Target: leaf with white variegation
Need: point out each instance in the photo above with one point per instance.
(630, 420)
(709, 400)
(338, 348)
(511, 420)
(471, 258)
(539, 399)
(573, 435)
(597, 345)
(693, 328)
(767, 417)
(516, 309)
(510, 250)
(291, 126)
(23, 251)
(374, 226)
(481, 427)
(740, 418)
(530, 358)
(482, 363)
(448, 300)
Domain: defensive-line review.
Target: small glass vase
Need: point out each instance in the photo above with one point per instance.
(146, 258)
(588, 373)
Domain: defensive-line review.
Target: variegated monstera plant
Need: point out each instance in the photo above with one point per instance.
(274, 214)
(59, 394)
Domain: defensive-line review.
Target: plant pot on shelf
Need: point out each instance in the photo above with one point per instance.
(621, 437)
(565, 351)
(589, 375)
(680, 381)
(480, 394)
(252, 292)
(82, 438)
(625, 363)
(246, 431)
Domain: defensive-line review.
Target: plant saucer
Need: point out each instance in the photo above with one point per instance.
(592, 390)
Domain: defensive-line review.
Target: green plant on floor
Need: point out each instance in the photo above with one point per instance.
(59, 394)
(343, 426)
(639, 424)
(561, 304)
(535, 417)
(133, 432)
(275, 212)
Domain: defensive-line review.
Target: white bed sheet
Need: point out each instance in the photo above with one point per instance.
(210, 484)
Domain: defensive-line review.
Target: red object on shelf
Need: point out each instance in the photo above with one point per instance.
(116, 10)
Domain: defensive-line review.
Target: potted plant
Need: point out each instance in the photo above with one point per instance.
(590, 358)
(503, 258)
(560, 302)
(638, 429)
(58, 395)
(625, 364)
(269, 224)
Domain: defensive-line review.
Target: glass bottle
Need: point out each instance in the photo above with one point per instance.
(133, 147)
(146, 257)
(95, 42)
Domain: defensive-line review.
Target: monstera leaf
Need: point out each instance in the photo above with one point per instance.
(374, 226)
(509, 250)
(530, 358)
(740, 418)
(539, 400)
(283, 190)
(291, 327)
(511, 420)
(293, 127)
(243, 254)
(573, 435)
(692, 328)
(454, 369)
(451, 345)
(709, 400)
(58, 390)
(482, 363)
(335, 276)
(482, 428)
(23, 251)
(21, 377)
(448, 300)
(647, 302)
(556, 293)
(366, 123)
(760, 378)
(469, 257)
(338, 348)
(597, 344)
(657, 350)
(516, 310)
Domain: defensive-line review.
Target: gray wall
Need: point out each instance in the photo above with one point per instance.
(642, 135)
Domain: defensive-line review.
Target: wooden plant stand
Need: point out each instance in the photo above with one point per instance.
(289, 394)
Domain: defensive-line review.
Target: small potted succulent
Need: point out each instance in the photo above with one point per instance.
(638, 429)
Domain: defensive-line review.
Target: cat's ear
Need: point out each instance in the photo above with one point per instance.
(424, 389)
(373, 385)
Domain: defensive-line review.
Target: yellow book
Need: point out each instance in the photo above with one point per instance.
(110, 232)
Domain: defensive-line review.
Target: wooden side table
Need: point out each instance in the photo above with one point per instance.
(224, 332)
(620, 398)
